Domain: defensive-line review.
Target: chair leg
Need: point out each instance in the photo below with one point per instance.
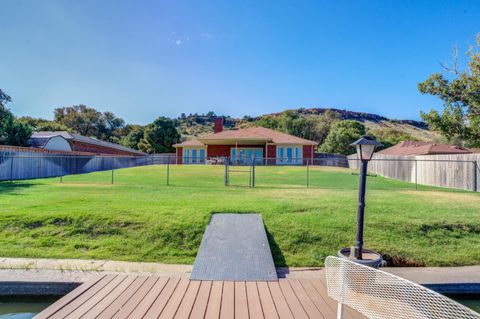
(340, 311)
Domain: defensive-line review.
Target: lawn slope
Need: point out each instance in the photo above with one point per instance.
(139, 218)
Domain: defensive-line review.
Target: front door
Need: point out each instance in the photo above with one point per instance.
(289, 155)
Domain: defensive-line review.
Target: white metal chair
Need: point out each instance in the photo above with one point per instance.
(380, 295)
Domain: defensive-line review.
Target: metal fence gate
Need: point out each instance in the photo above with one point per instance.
(240, 175)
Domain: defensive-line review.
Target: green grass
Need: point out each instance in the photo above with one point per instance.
(139, 218)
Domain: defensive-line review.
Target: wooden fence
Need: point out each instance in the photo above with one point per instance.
(30, 165)
(452, 171)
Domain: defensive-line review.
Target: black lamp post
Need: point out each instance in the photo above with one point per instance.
(365, 148)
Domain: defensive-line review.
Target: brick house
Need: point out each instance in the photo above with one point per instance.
(264, 145)
(66, 141)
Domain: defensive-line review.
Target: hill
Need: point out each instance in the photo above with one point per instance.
(202, 124)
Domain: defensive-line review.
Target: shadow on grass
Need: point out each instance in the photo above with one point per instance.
(278, 257)
(12, 187)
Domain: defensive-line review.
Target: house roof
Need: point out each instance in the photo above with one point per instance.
(189, 143)
(255, 133)
(423, 148)
(39, 139)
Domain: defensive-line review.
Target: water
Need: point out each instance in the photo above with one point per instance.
(18, 307)
(470, 301)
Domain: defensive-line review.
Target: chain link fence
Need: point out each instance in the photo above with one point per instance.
(241, 172)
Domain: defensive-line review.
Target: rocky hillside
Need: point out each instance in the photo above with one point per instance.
(201, 124)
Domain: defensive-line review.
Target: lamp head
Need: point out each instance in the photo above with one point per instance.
(366, 147)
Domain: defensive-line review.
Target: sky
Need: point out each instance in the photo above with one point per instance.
(144, 59)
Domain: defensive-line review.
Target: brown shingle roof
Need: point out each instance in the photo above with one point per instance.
(189, 143)
(257, 133)
(422, 148)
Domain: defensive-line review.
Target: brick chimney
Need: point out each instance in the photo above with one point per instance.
(218, 127)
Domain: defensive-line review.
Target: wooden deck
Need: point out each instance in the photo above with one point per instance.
(122, 296)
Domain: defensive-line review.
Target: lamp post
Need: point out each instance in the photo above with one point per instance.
(365, 148)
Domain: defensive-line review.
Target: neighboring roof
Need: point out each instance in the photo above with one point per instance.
(474, 150)
(189, 143)
(423, 148)
(42, 137)
(256, 133)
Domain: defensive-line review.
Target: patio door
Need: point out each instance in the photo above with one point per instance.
(289, 155)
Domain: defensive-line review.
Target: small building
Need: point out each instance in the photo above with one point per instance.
(264, 146)
(66, 141)
(411, 148)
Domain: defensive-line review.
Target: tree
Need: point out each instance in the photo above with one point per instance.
(12, 132)
(39, 124)
(460, 118)
(341, 135)
(318, 126)
(159, 136)
(90, 122)
(133, 138)
(80, 118)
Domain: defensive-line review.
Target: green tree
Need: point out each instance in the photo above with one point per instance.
(90, 122)
(159, 136)
(341, 135)
(460, 118)
(318, 126)
(12, 132)
(133, 138)
(39, 124)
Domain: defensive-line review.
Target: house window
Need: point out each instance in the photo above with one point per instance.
(289, 154)
(246, 155)
(193, 155)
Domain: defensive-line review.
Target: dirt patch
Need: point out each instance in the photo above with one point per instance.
(401, 261)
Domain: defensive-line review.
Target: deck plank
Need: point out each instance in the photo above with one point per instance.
(215, 301)
(280, 303)
(227, 311)
(139, 302)
(95, 299)
(81, 299)
(62, 302)
(241, 304)
(269, 309)
(146, 303)
(201, 302)
(186, 306)
(115, 306)
(95, 311)
(175, 300)
(304, 299)
(128, 296)
(317, 299)
(293, 303)
(161, 300)
(253, 299)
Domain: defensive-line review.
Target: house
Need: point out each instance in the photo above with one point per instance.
(412, 148)
(241, 146)
(66, 141)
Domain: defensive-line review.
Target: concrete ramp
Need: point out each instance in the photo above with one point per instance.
(234, 247)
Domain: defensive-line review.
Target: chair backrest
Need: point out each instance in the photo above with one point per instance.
(380, 295)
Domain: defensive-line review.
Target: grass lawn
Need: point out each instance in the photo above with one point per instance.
(139, 218)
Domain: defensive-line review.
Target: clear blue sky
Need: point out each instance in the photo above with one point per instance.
(142, 59)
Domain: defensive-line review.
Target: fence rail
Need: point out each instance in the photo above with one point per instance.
(452, 171)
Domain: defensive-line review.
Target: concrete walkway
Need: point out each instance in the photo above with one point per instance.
(60, 275)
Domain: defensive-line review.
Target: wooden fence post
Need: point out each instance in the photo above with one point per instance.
(474, 176)
(11, 169)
